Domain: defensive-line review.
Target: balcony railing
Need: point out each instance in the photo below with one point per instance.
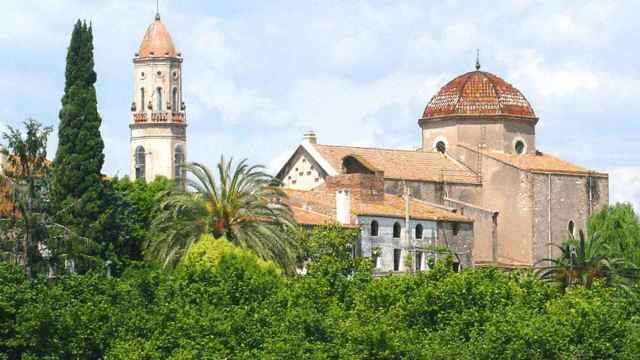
(159, 117)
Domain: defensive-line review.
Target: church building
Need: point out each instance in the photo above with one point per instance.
(478, 180)
(158, 120)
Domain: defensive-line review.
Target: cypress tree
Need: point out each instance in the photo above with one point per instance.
(77, 184)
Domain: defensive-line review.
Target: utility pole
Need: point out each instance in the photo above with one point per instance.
(412, 249)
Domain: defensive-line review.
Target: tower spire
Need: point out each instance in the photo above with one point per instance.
(157, 9)
(477, 59)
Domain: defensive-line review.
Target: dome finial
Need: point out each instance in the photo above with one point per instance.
(477, 59)
(157, 10)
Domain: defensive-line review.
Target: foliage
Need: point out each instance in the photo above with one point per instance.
(78, 191)
(618, 227)
(242, 203)
(236, 308)
(29, 235)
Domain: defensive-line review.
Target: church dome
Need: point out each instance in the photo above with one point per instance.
(478, 93)
(157, 41)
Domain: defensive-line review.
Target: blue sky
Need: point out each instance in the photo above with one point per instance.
(257, 74)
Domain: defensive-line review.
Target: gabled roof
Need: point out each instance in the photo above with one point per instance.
(319, 201)
(401, 164)
(537, 163)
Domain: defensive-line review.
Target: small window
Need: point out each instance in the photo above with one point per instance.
(455, 267)
(317, 179)
(300, 173)
(142, 75)
(419, 260)
(396, 230)
(140, 163)
(520, 147)
(304, 160)
(572, 228)
(397, 254)
(441, 147)
(456, 228)
(308, 172)
(158, 104)
(419, 231)
(374, 228)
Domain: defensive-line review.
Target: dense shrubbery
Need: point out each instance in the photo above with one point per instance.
(239, 308)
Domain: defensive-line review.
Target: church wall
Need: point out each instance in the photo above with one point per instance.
(303, 173)
(477, 131)
(484, 230)
(433, 131)
(508, 191)
(519, 130)
(457, 237)
(433, 191)
(567, 201)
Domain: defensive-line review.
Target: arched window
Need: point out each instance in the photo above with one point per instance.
(572, 228)
(178, 164)
(374, 228)
(441, 146)
(140, 163)
(419, 231)
(520, 147)
(174, 100)
(396, 230)
(142, 100)
(158, 104)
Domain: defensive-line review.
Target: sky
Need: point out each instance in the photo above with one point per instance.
(258, 74)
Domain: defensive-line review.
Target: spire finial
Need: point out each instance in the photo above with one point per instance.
(157, 9)
(477, 59)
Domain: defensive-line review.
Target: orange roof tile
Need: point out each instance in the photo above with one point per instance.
(391, 206)
(402, 164)
(307, 217)
(478, 93)
(538, 162)
(157, 41)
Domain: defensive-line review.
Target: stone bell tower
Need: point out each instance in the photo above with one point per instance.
(158, 120)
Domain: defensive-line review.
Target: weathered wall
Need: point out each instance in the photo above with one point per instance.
(457, 237)
(434, 191)
(559, 199)
(484, 230)
(519, 130)
(433, 131)
(303, 172)
(508, 190)
(387, 243)
(364, 187)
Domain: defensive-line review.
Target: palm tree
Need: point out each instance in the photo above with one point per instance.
(243, 204)
(581, 261)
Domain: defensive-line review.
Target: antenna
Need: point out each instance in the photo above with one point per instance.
(477, 59)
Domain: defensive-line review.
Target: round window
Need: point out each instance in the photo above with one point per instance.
(520, 147)
(441, 146)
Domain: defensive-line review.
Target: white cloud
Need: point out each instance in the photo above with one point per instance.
(625, 186)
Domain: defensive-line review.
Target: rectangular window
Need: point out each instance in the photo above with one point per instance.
(418, 260)
(397, 255)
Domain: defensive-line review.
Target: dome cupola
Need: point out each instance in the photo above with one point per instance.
(157, 42)
(478, 94)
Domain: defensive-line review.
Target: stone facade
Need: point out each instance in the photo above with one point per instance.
(158, 121)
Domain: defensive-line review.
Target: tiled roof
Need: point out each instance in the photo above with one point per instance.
(478, 93)
(317, 201)
(539, 162)
(402, 164)
(157, 42)
(307, 217)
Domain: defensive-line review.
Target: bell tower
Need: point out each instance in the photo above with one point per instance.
(158, 120)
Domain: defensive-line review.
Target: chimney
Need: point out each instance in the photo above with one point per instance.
(343, 206)
(310, 136)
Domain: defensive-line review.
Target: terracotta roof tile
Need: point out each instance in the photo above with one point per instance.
(478, 93)
(402, 164)
(157, 42)
(539, 162)
(320, 201)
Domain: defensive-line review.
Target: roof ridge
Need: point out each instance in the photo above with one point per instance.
(375, 148)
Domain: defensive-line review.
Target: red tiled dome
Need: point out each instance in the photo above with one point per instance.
(157, 42)
(478, 93)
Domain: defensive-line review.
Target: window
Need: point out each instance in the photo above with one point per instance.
(572, 228)
(158, 105)
(142, 99)
(455, 267)
(140, 163)
(174, 100)
(520, 147)
(397, 254)
(418, 260)
(396, 230)
(455, 227)
(142, 75)
(374, 228)
(441, 146)
(178, 158)
(419, 231)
